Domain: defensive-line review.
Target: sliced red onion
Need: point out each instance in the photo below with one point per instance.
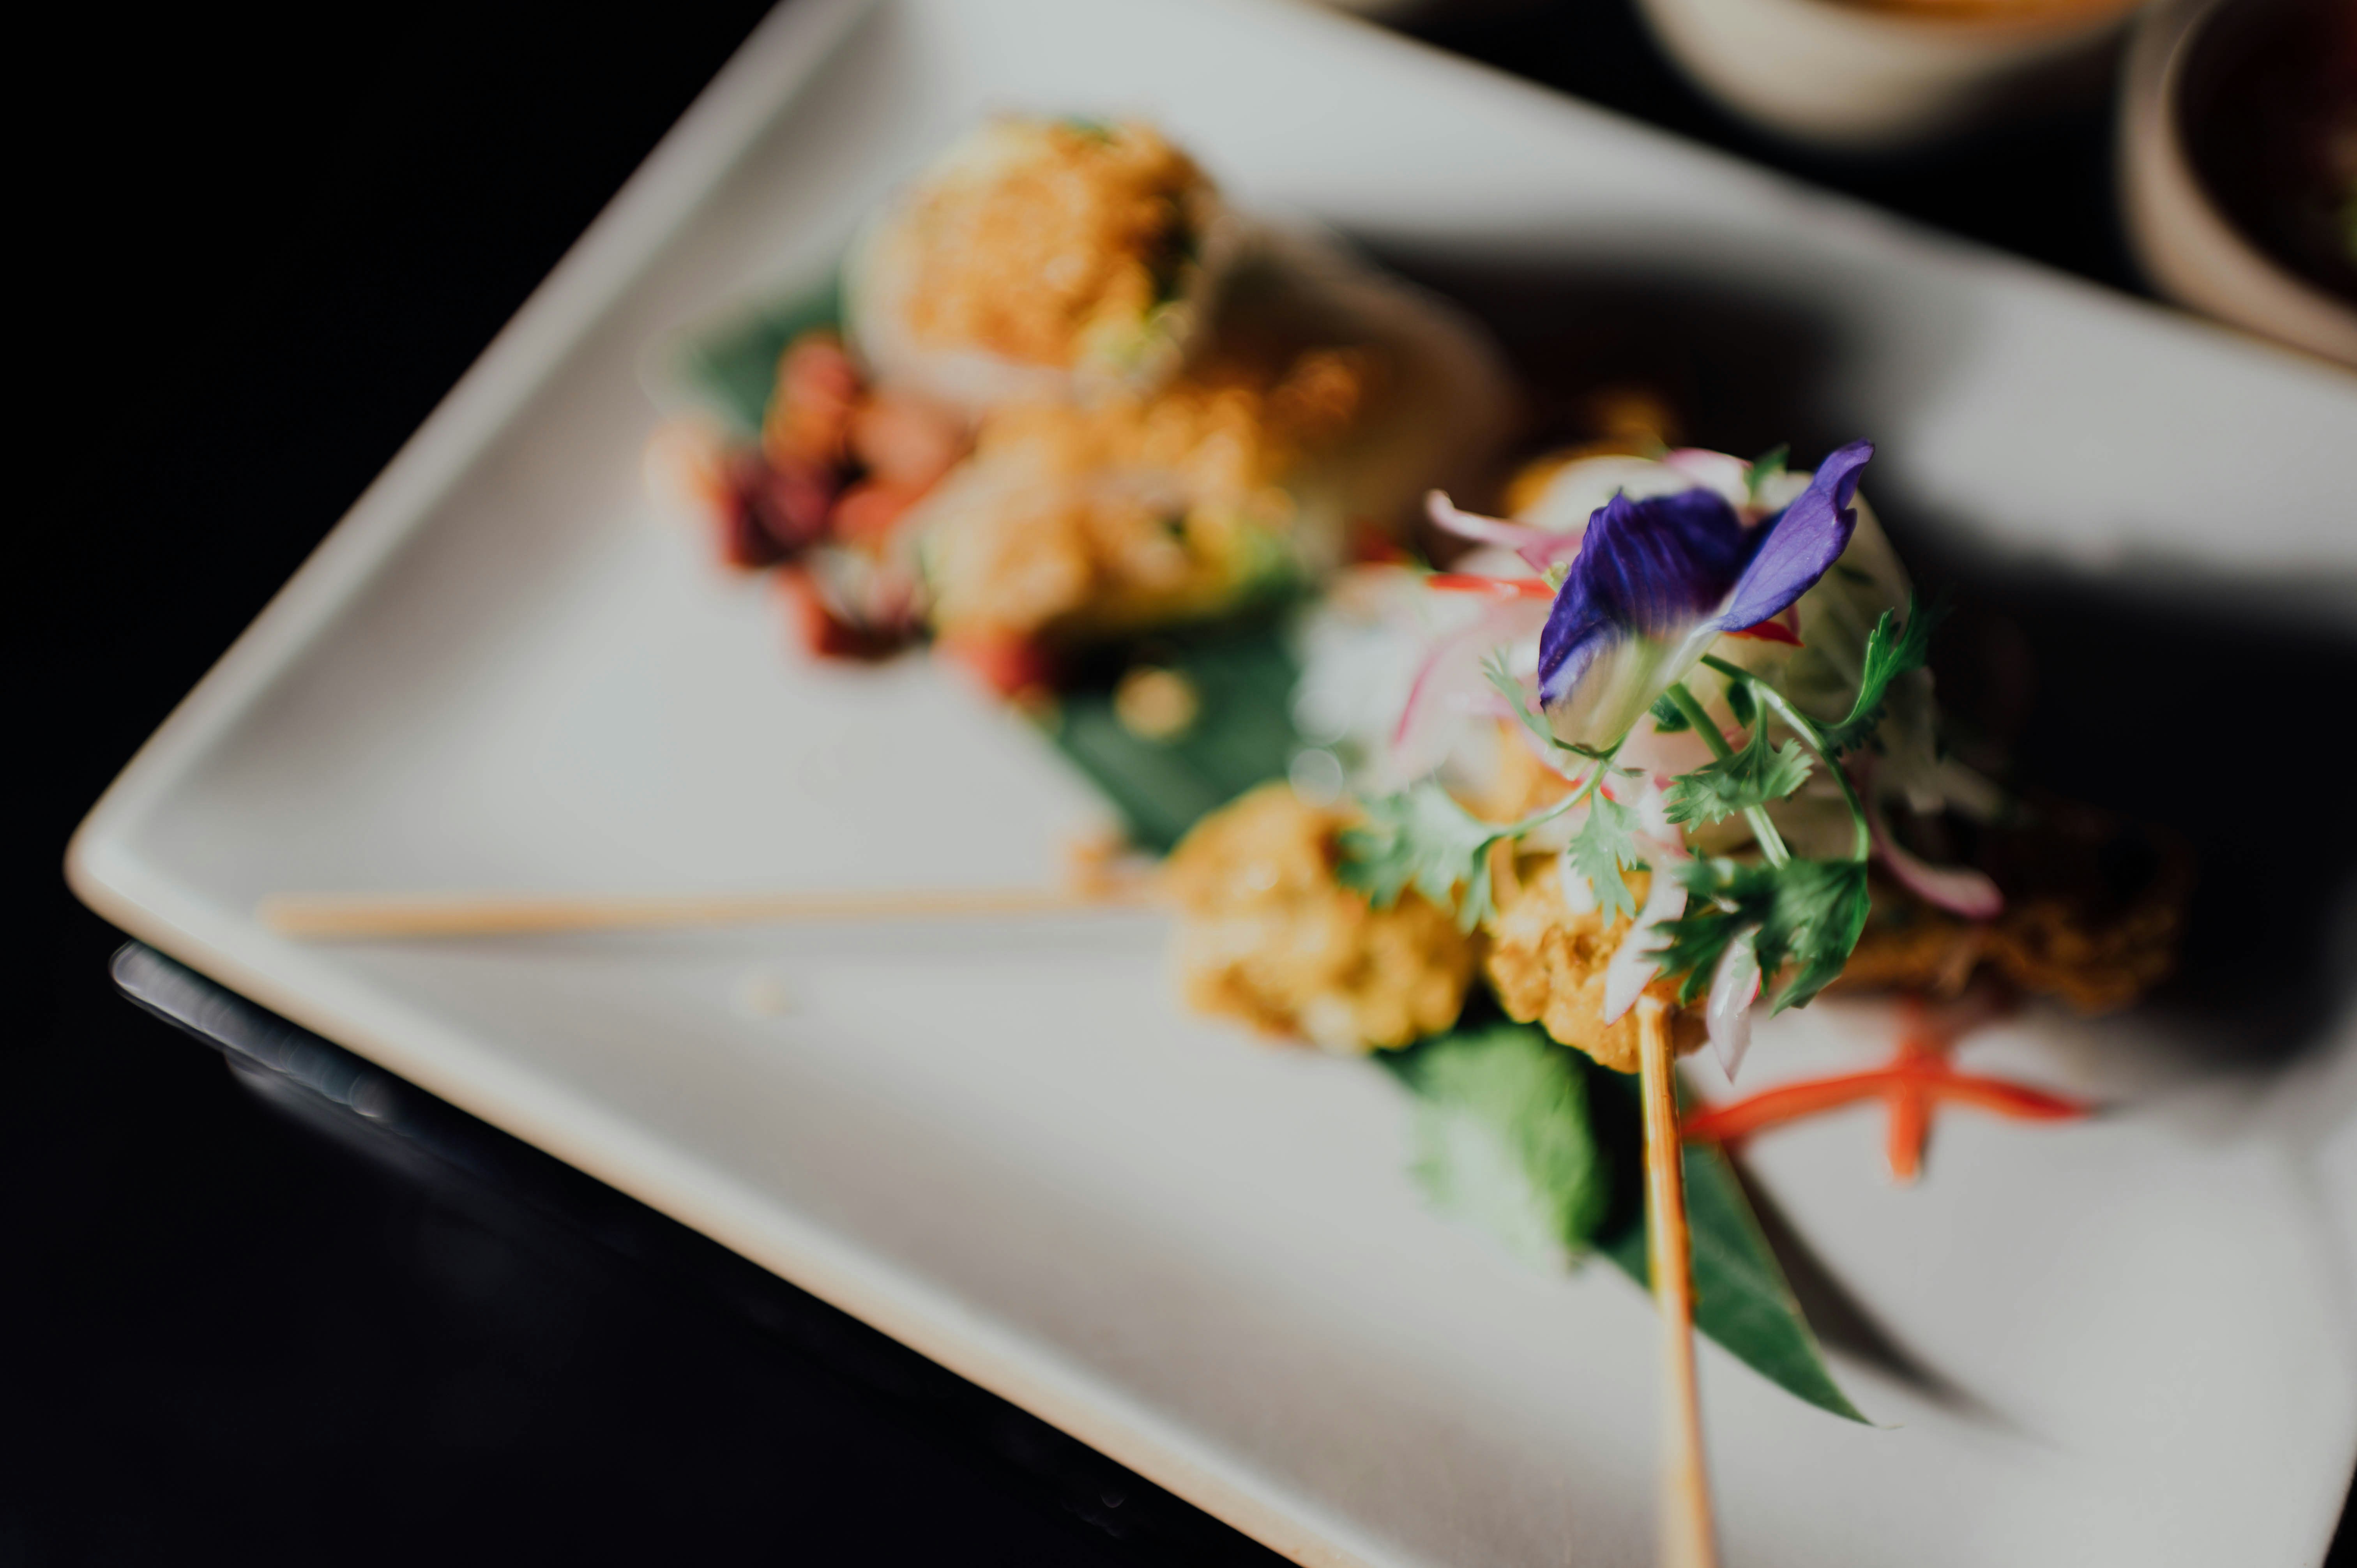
(1538, 548)
(1734, 987)
(1450, 680)
(1953, 887)
(1730, 476)
(1639, 957)
(1578, 892)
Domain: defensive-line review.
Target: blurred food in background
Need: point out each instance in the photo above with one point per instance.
(2238, 164)
(1057, 395)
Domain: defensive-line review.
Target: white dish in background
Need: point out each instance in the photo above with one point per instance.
(2187, 248)
(1007, 1147)
(1859, 77)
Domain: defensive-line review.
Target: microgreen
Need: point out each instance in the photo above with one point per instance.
(1421, 838)
(1606, 843)
(1809, 914)
(1743, 781)
(1890, 652)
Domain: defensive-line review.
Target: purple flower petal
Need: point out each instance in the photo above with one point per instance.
(1657, 580)
(1649, 568)
(1802, 541)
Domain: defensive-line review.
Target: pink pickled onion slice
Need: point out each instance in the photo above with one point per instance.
(1538, 548)
(1953, 887)
(1450, 678)
(1639, 957)
(1730, 476)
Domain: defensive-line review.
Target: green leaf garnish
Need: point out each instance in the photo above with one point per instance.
(1421, 838)
(1605, 843)
(733, 366)
(1768, 465)
(1538, 1145)
(1889, 653)
(1742, 1297)
(1809, 914)
(1502, 1140)
(1750, 777)
(1243, 671)
(1668, 717)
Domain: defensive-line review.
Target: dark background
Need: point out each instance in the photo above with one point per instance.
(263, 252)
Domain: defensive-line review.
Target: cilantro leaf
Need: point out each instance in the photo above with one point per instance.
(1809, 914)
(1751, 776)
(1889, 653)
(1668, 717)
(1421, 838)
(1605, 844)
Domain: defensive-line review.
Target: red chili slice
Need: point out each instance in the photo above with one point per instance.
(1495, 588)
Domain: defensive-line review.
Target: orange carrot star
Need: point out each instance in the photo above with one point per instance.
(1917, 1079)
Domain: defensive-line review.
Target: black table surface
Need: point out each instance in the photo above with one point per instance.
(264, 251)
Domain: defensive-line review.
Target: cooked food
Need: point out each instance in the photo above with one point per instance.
(1039, 258)
(1675, 739)
(1549, 962)
(1272, 938)
(1135, 510)
(1074, 399)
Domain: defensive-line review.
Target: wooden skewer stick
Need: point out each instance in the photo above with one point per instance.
(357, 916)
(1687, 1539)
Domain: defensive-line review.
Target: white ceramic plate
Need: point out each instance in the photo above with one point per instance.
(1005, 1145)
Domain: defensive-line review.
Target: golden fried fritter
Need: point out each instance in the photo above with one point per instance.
(2095, 911)
(1130, 509)
(1546, 964)
(1270, 937)
(1073, 236)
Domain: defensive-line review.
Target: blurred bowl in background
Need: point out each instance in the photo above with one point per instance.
(1885, 75)
(2238, 164)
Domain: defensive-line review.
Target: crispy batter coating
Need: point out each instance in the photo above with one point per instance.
(1270, 937)
(1546, 964)
(1076, 234)
(1128, 510)
(2095, 911)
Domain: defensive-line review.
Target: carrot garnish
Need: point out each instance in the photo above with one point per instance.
(1913, 1085)
(1494, 588)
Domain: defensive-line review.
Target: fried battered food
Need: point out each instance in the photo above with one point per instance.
(1547, 963)
(1057, 244)
(1131, 510)
(1040, 258)
(2095, 911)
(1270, 937)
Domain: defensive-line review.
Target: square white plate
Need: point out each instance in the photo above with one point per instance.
(1007, 1146)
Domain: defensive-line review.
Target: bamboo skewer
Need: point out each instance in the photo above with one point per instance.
(1687, 1538)
(358, 917)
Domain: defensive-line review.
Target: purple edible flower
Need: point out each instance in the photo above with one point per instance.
(1657, 580)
